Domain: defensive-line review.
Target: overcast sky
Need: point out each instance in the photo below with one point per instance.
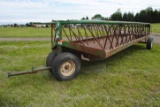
(22, 11)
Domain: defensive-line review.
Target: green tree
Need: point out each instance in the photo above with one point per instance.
(117, 15)
(159, 17)
(15, 25)
(156, 16)
(150, 15)
(97, 16)
(136, 18)
(125, 17)
(87, 18)
(130, 16)
(83, 18)
(142, 16)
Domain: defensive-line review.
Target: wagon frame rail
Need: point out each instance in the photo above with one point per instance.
(102, 35)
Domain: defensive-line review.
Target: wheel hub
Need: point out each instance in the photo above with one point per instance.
(68, 68)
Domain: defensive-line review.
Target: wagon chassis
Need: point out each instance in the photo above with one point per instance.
(90, 41)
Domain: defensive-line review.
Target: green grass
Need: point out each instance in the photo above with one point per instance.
(24, 32)
(155, 28)
(30, 32)
(130, 78)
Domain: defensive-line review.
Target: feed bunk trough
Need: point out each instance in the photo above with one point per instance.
(91, 41)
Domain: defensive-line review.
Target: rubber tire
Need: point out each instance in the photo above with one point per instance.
(149, 43)
(50, 58)
(59, 60)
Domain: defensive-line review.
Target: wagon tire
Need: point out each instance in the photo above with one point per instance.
(149, 43)
(50, 58)
(65, 66)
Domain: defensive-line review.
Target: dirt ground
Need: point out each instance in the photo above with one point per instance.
(156, 38)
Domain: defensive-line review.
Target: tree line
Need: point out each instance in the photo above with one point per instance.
(146, 15)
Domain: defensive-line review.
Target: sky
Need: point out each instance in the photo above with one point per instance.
(23, 11)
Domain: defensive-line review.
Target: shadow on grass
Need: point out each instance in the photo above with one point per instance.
(88, 68)
(100, 66)
(111, 61)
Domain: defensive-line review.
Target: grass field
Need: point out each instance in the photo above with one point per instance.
(24, 32)
(155, 28)
(130, 78)
(29, 32)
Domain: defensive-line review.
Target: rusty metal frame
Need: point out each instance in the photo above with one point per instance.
(102, 37)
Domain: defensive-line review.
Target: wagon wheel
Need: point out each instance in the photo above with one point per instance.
(149, 43)
(50, 57)
(65, 66)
